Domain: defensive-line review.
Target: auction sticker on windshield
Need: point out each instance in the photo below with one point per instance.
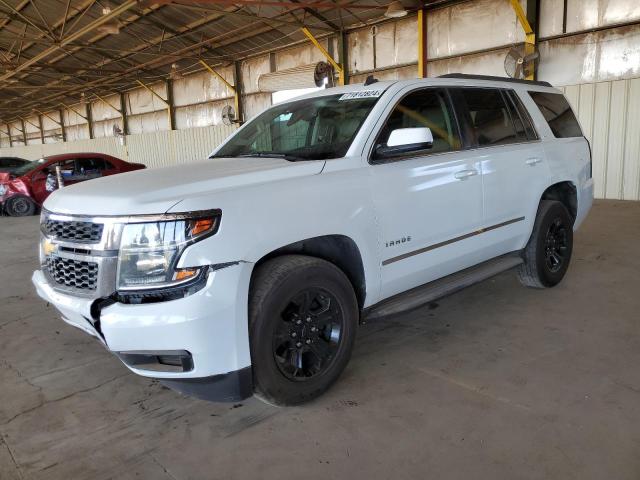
(361, 94)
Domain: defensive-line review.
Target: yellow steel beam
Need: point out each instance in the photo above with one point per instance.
(73, 110)
(236, 94)
(30, 123)
(107, 103)
(530, 36)
(50, 117)
(337, 67)
(216, 74)
(166, 102)
(522, 17)
(422, 43)
(153, 92)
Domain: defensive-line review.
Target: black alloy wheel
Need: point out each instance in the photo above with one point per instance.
(308, 335)
(548, 252)
(556, 245)
(303, 315)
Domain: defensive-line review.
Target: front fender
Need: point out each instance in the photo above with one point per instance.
(260, 219)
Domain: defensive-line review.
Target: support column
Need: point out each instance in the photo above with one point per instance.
(422, 43)
(343, 48)
(41, 129)
(64, 131)
(24, 132)
(89, 115)
(237, 82)
(9, 132)
(123, 113)
(171, 112)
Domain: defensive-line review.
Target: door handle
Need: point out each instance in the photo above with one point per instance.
(533, 161)
(464, 174)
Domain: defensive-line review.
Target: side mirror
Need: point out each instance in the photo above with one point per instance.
(405, 140)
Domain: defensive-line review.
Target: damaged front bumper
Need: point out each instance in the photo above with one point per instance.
(197, 345)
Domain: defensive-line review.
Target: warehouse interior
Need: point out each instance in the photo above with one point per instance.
(495, 381)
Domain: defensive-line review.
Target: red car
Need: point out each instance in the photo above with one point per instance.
(23, 190)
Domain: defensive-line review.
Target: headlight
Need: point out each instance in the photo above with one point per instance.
(3, 190)
(149, 252)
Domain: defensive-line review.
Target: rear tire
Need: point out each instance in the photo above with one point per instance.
(303, 315)
(20, 206)
(548, 253)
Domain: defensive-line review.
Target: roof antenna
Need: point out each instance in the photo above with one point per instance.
(370, 79)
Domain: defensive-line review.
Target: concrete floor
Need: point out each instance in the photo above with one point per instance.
(495, 382)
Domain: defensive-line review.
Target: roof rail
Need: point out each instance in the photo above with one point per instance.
(466, 76)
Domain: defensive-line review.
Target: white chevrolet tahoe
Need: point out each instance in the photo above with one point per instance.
(249, 272)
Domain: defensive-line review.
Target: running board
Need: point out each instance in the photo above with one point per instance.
(445, 286)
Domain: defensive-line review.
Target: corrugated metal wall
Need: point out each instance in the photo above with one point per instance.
(155, 149)
(609, 113)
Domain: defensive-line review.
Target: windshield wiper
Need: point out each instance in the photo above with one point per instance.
(285, 156)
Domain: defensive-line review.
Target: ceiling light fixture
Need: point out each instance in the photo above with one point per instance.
(395, 10)
(174, 74)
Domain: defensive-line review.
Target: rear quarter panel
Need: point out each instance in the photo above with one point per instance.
(567, 159)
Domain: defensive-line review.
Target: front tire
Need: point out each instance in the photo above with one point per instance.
(548, 253)
(303, 315)
(20, 206)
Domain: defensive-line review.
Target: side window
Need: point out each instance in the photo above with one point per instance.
(524, 116)
(557, 112)
(425, 108)
(67, 168)
(90, 164)
(88, 168)
(521, 132)
(491, 120)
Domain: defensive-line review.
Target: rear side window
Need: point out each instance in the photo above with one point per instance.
(557, 111)
(91, 164)
(521, 118)
(491, 119)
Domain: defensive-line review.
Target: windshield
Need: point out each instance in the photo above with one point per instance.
(27, 167)
(309, 129)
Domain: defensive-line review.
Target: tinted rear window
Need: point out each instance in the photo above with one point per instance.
(490, 117)
(557, 111)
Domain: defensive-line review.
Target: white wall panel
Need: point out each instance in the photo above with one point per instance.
(551, 17)
(202, 87)
(360, 46)
(251, 70)
(491, 63)
(148, 122)
(102, 111)
(609, 113)
(472, 26)
(255, 104)
(402, 73)
(585, 14)
(202, 115)
(142, 100)
(301, 55)
(594, 57)
(395, 43)
(153, 149)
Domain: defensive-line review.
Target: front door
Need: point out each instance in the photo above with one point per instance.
(428, 203)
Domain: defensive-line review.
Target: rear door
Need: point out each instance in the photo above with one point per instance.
(427, 202)
(512, 160)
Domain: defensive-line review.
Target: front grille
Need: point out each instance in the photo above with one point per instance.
(82, 232)
(73, 273)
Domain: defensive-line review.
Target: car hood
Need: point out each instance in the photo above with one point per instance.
(156, 190)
